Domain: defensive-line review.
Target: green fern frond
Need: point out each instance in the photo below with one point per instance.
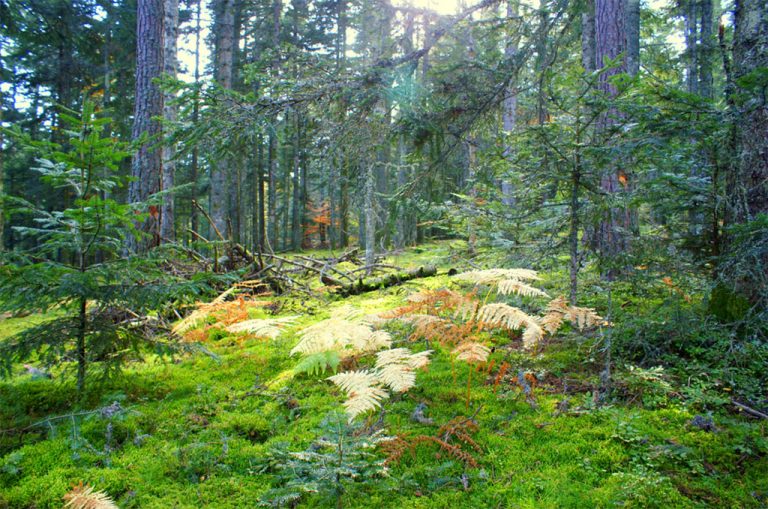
(318, 363)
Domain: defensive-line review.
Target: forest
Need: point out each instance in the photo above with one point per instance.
(383, 253)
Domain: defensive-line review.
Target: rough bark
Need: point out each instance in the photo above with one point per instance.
(632, 23)
(610, 42)
(748, 192)
(588, 38)
(509, 107)
(224, 15)
(147, 162)
(170, 112)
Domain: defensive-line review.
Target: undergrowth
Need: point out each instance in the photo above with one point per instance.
(487, 423)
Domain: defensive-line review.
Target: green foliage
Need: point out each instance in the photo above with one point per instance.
(76, 264)
(342, 455)
(318, 363)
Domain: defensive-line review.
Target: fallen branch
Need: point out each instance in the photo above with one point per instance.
(750, 411)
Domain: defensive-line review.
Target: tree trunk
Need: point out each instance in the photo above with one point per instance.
(632, 23)
(147, 162)
(748, 191)
(509, 111)
(170, 112)
(610, 43)
(224, 22)
(588, 38)
(195, 118)
(370, 216)
(272, 191)
(296, 210)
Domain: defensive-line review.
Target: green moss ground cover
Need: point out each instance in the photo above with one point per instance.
(195, 431)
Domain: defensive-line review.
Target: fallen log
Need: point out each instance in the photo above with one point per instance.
(369, 285)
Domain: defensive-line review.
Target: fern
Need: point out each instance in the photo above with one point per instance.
(558, 311)
(342, 336)
(363, 390)
(395, 368)
(263, 328)
(512, 318)
(510, 286)
(225, 312)
(492, 276)
(472, 352)
(318, 363)
(503, 315)
(85, 497)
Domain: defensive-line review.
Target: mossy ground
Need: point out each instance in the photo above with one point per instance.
(195, 429)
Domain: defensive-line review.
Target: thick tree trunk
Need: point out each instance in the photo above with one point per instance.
(588, 38)
(195, 118)
(748, 191)
(170, 112)
(509, 110)
(147, 162)
(707, 51)
(632, 23)
(224, 22)
(610, 42)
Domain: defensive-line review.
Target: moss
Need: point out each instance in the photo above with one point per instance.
(197, 428)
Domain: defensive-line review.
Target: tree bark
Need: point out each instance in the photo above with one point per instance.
(610, 42)
(224, 22)
(748, 192)
(147, 162)
(170, 112)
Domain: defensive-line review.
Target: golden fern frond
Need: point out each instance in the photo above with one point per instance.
(559, 305)
(490, 276)
(433, 302)
(472, 352)
(263, 328)
(583, 317)
(532, 335)
(396, 367)
(559, 310)
(190, 321)
(509, 286)
(363, 391)
(85, 497)
(552, 321)
(226, 313)
(420, 360)
(512, 318)
(340, 335)
(503, 315)
(376, 340)
(375, 321)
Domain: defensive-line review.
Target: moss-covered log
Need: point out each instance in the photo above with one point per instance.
(371, 284)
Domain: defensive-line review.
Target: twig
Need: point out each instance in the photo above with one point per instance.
(750, 411)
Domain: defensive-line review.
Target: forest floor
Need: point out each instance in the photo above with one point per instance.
(203, 431)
